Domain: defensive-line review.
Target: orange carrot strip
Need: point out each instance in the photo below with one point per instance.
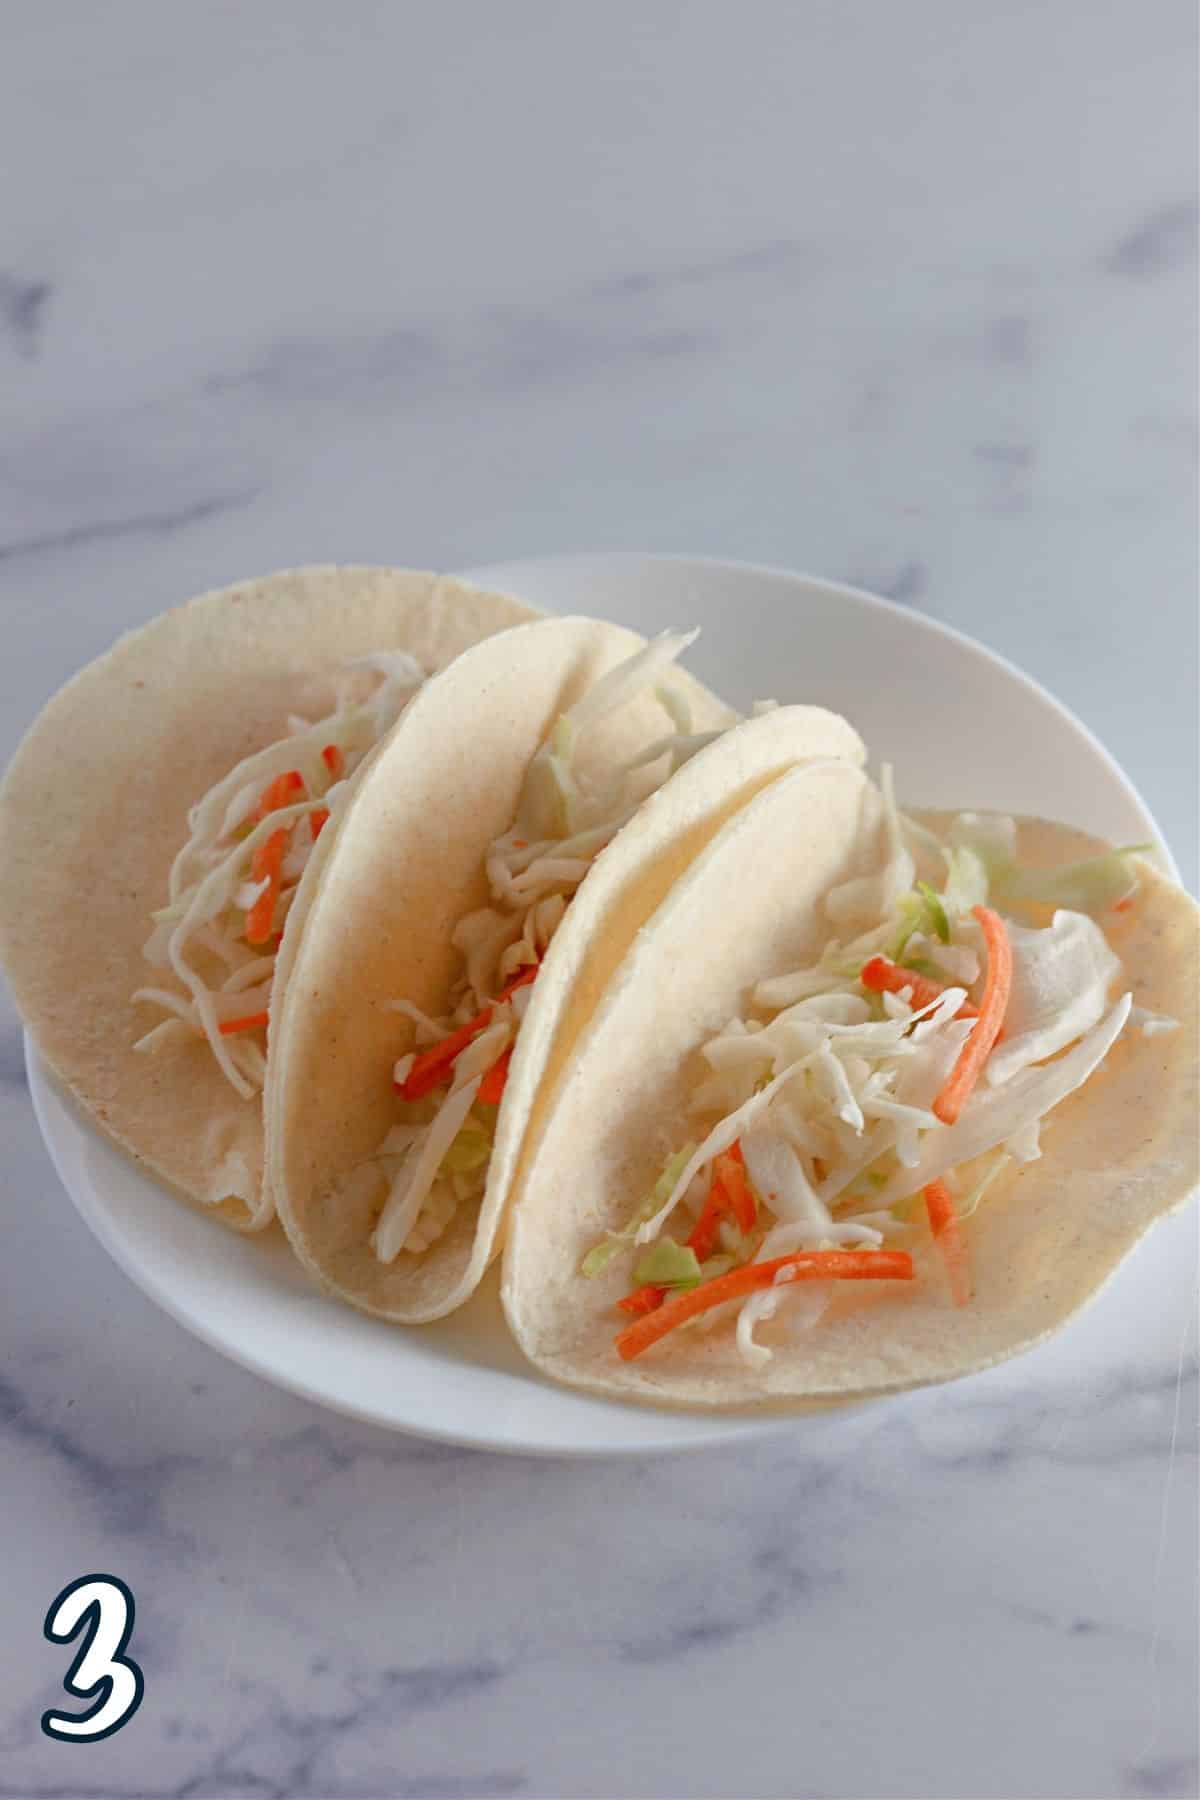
(268, 855)
(431, 1068)
(318, 818)
(703, 1236)
(992, 1008)
(949, 1237)
(883, 977)
(250, 1023)
(804, 1265)
(265, 865)
(333, 759)
(491, 1088)
(283, 791)
(729, 1192)
(643, 1300)
(1123, 905)
(730, 1170)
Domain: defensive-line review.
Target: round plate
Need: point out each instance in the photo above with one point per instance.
(767, 634)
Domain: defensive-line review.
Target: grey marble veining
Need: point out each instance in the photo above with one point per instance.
(900, 295)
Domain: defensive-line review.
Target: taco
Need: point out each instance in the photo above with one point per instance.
(870, 1103)
(156, 829)
(546, 791)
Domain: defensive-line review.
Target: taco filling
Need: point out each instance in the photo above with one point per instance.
(249, 841)
(878, 1092)
(449, 1087)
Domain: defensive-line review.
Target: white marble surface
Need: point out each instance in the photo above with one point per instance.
(898, 294)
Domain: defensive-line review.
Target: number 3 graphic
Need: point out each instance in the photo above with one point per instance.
(105, 1605)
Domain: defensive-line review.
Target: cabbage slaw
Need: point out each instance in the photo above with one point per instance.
(233, 883)
(450, 1085)
(829, 1089)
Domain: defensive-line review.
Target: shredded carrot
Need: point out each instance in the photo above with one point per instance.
(333, 759)
(251, 1022)
(432, 1067)
(1123, 905)
(728, 1192)
(643, 1300)
(318, 818)
(992, 1008)
(268, 855)
(949, 1237)
(802, 1265)
(703, 1237)
(729, 1168)
(285, 790)
(265, 865)
(883, 977)
(491, 1088)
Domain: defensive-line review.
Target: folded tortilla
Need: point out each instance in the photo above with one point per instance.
(407, 864)
(1116, 1155)
(94, 808)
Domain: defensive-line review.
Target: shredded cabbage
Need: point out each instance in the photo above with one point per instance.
(676, 706)
(778, 1177)
(966, 881)
(991, 836)
(828, 1089)
(995, 1115)
(1061, 979)
(668, 1264)
(551, 805)
(719, 1138)
(805, 1303)
(679, 746)
(469, 1151)
(562, 824)
(1025, 1144)
(200, 934)
(1092, 886)
(418, 1173)
(936, 911)
(958, 963)
(597, 1260)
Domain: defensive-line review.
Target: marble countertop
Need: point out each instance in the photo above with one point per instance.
(900, 295)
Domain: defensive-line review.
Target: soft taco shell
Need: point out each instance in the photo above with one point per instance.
(94, 808)
(379, 928)
(1116, 1155)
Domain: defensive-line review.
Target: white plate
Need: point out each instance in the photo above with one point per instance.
(766, 633)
